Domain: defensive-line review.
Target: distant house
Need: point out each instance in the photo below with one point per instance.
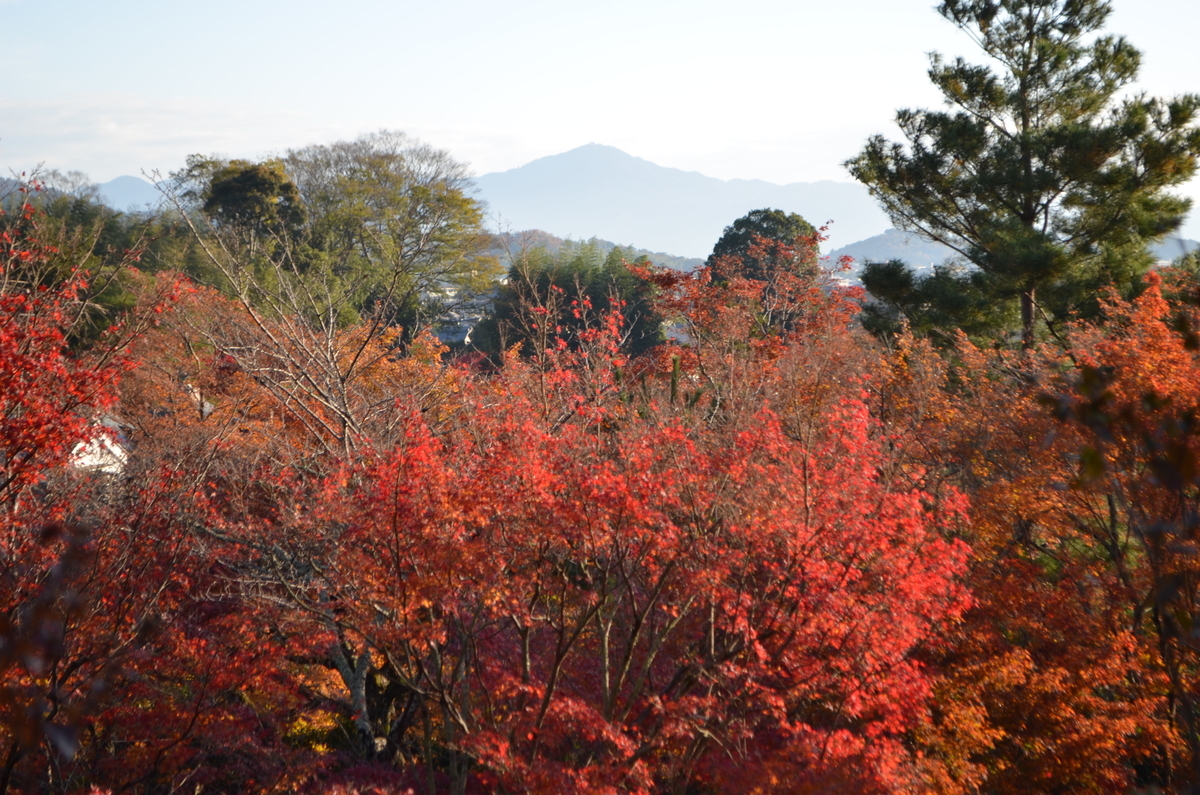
(459, 314)
(106, 453)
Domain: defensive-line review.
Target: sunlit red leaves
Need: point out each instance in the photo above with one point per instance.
(730, 565)
(48, 399)
(590, 605)
(103, 644)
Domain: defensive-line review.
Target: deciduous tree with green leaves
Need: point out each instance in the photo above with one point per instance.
(256, 196)
(1041, 172)
(386, 237)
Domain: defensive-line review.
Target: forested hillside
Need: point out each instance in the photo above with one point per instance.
(512, 243)
(310, 483)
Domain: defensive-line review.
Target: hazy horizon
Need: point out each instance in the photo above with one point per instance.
(781, 92)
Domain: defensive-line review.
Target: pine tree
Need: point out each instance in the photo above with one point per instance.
(1039, 173)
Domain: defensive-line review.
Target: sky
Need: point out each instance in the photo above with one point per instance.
(778, 91)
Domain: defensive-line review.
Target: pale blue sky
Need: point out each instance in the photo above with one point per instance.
(780, 91)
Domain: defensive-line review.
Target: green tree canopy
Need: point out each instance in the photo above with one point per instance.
(81, 233)
(258, 196)
(401, 215)
(948, 297)
(382, 225)
(777, 254)
(1039, 174)
(552, 286)
(739, 237)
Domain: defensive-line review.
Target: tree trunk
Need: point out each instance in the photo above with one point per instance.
(14, 756)
(1027, 305)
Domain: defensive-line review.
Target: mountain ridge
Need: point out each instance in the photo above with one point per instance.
(599, 190)
(128, 192)
(923, 254)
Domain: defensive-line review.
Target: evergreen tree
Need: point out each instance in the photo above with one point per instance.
(257, 196)
(948, 297)
(1039, 174)
(776, 225)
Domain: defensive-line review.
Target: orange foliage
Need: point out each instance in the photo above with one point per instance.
(771, 555)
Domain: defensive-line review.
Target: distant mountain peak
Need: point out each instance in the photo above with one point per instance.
(585, 159)
(592, 149)
(127, 192)
(597, 190)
